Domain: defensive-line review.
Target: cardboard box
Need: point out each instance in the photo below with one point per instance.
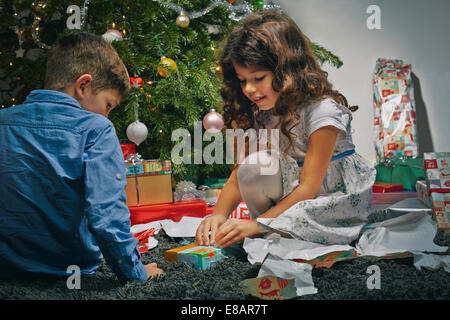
(440, 203)
(149, 182)
(423, 193)
(199, 257)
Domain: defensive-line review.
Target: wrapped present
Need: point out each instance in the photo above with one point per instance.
(423, 193)
(241, 212)
(401, 170)
(148, 181)
(395, 110)
(128, 149)
(199, 257)
(437, 169)
(383, 187)
(440, 203)
(161, 211)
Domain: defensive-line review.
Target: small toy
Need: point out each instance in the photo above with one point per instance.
(199, 257)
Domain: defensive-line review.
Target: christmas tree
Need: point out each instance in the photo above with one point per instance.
(170, 49)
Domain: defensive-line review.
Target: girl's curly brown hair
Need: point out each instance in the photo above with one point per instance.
(274, 41)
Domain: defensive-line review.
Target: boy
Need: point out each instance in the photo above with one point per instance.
(62, 190)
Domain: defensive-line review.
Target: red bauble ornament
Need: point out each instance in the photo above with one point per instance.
(136, 82)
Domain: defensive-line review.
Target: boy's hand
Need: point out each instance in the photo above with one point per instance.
(153, 270)
(210, 224)
(235, 230)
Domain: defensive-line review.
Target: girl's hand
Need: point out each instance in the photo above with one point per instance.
(235, 230)
(210, 224)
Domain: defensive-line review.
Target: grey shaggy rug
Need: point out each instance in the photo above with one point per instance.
(345, 280)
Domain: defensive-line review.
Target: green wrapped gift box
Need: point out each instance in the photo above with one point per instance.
(401, 170)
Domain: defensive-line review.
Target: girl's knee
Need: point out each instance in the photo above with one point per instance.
(258, 167)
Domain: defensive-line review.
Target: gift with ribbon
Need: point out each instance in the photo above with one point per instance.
(148, 181)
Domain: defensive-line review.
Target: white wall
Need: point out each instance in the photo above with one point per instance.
(416, 31)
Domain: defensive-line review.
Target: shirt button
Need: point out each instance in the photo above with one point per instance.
(118, 176)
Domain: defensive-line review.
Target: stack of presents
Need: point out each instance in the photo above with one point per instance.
(401, 173)
(150, 198)
(150, 195)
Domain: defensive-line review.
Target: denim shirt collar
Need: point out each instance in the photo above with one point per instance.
(43, 95)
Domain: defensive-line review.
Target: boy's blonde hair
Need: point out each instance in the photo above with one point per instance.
(81, 53)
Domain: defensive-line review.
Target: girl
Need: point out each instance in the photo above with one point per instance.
(322, 191)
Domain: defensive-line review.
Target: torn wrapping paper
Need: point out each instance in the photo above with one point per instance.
(406, 236)
(286, 269)
(406, 206)
(186, 227)
(431, 261)
(144, 234)
(257, 249)
(269, 288)
(284, 248)
(146, 241)
(411, 232)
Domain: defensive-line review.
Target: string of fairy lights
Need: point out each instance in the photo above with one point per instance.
(236, 12)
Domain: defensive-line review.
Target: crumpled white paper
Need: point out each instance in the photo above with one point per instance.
(411, 232)
(431, 261)
(284, 248)
(186, 227)
(286, 269)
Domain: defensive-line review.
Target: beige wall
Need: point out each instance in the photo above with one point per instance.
(416, 31)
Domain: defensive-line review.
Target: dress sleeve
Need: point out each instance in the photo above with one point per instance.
(328, 113)
(107, 214)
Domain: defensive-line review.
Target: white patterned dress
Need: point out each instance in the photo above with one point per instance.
(344, 201)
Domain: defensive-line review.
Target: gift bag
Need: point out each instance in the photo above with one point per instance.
(395, 110)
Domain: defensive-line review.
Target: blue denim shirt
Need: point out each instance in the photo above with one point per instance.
(62, 190)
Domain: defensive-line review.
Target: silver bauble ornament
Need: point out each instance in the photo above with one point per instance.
(137, 132)
(213, 121)
(182, 21)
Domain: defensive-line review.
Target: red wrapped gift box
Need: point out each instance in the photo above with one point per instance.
(382, 187)
(128, 148)
(161, 211)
